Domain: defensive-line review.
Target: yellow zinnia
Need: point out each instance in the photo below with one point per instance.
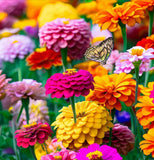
(56, 10)
(92, 122)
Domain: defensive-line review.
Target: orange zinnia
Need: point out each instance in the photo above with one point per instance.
(43, 58)
(146, 4)
(147, 90)
(109, 90)
(147, 145)
(93, 67)
(146, 111)
(128, 13)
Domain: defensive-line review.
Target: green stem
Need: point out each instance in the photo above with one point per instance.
(110, 136)
(25, 103)
(147, 75)
(124, 35)
(73, 108)
(1, 115)
(21, 109)
(64, 58)
(31, 148)
(46, 148)
(137, 83)
(151, 17)
(133, 121)
(17, 153)
(19, 70)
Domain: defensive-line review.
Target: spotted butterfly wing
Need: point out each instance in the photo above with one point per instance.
(101, 52)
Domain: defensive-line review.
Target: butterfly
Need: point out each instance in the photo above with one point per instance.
(101, 52)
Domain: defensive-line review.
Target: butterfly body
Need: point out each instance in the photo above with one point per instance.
(101, 52)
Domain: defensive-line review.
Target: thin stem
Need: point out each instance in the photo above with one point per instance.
(151, 17)
(110, 136)
(46, 148)
(64, 58)
(1, 115)
(14, 141)
(137, 83)
(73, 108)
(124, 35)
(21, 109)
(133, 120)
(25, 103)
(19, 70)
(31, 148)
(147, 75)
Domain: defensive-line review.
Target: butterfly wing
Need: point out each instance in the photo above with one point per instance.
(101, 52)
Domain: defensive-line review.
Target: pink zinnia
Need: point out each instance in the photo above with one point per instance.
(122, 138)
(64, 154)
(32, 133)
(94, 152)
(70, 83)
(152, 94)
(62, 33)
(24, 89)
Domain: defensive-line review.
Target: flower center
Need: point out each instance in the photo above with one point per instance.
(40, 49)
(66, 22)
(137, 52)
(70, 71)
(29, 125)
(15, 41)
(58, 157)
(96, 155)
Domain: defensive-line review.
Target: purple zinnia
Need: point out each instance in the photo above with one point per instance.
(16, 46)
(62, 33)
(96, 152)
(122, 139)
(24, 89)
(69, 83)
(13, 7)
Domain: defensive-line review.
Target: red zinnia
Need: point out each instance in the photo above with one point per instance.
(43, 58)
(32, 133)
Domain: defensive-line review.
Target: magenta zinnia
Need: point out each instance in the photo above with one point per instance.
(69, 83)
(32, 133)
(96, 152)
(62, 33)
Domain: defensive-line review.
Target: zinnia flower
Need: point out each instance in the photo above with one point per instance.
(13, 7)
(146, 111)
(32, 133)
(6, 32)
(110, 17)
(147, 145)
(62, 33)
(24, 89)
(56, 10)
(109, 90)
(94, 152)
(92, 121)
(136, 54)
(146, 91)
(146, 4)
(3, 84)
(152, 94)
(122, 139)
(38, 112)
(69, 83)
(43, 58)
(16, 46)
(93, 67)
(62, 155)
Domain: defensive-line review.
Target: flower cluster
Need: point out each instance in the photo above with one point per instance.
(62, 33)
(93, 121)
(109, 90)
(69, 83)
(43, 58)
(16, 46)
(32, 133)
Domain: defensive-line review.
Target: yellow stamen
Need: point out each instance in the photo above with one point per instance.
(40, 49)
(96, 155)
(137, 52)
(66, 22)
(15, 41)
(70, 71)
(97, 39)
(10, 109)
(30, 125)
(58, 157)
